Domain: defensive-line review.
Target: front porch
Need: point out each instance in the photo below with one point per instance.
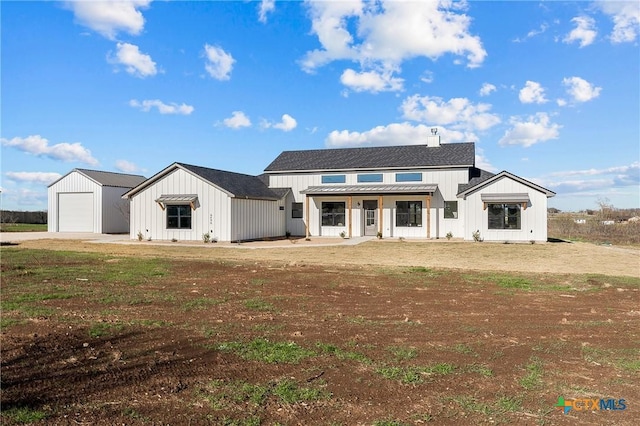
(369, 210)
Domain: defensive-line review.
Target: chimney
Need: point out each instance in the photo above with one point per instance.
(434, 139)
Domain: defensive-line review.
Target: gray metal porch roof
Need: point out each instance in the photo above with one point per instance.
(428, 188)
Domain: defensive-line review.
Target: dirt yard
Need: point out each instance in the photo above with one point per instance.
(384, 333)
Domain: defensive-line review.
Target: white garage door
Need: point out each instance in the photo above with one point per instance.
(75, 212)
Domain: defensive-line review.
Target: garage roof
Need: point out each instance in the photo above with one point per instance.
(118, 180)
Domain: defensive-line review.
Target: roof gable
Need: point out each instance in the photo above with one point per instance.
(487, 180)
(236, 185)
(403, 156)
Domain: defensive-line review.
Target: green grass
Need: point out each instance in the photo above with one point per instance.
(201, 303)
(250, 397)
(480, 369)
(23, 227)
(290, 393)
(343, 354)
(259, 305)
(102, 329)
(464, 349)
(533, 377)
(627, 359)
(23, 415)
(37, 266)
(264, 350)
(402, 353)
(414, 374)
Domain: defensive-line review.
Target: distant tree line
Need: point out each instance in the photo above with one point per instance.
(8, 216)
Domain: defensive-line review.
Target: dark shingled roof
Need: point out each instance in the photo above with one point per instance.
(240, 185)
(476, 176)
(453, 154)
(120, 180)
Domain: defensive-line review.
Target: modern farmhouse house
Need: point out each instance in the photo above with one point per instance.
(413, 191)
(90, 201)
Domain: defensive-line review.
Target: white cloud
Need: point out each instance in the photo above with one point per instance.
(219, 63)
(44, 178)
(163, 108)
(381, 35)
(39, 146)
(266, 7)
(580, 89)
(459, 113)
(534, 129)
(126, 166)
(482, 162)
(109, 17)
(532, 92)
(584, 31)
(633, 169)
(533, 33)
(594, 182)
(371, 81)
(487, 89)
(26, 199)
(392, 134)
(626, 19)
(287, 124)
(237, 120)
(427, 77)
(135, 62)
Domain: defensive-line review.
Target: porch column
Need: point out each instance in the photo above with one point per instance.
(428, 216)
(380, 214)
(306, 199)
(349, 200)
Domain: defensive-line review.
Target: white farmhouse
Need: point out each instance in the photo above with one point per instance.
(90, 201)
(414, 191)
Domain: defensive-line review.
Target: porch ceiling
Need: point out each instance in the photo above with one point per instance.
(428, 188)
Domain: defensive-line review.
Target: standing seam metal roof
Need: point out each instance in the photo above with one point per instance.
(120, 180)
(453, 154)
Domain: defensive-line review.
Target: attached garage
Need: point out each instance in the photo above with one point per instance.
(90, 201)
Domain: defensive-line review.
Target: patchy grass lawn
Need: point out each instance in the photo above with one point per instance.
(106, 338)
(23, 227)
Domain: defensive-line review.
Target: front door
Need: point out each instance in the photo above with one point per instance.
(370, 208)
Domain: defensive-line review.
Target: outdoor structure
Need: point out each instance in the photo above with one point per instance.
(414, 191)
(90, 201)
(185, 202)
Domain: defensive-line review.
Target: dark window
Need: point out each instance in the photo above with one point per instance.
(333, 214)
(296, 210)
(408, 177)
(334, 179)
(375, 177)
(450, 209)
(178, 217)
(504, 216)
(408, 213)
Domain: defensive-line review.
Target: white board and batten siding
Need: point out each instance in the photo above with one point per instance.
(74, 205)
(446, 179)
(212, 213)
(533, 219)
(254, 219)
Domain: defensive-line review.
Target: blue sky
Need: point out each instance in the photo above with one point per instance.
(547, 90)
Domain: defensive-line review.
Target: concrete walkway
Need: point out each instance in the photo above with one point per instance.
(7, 238)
